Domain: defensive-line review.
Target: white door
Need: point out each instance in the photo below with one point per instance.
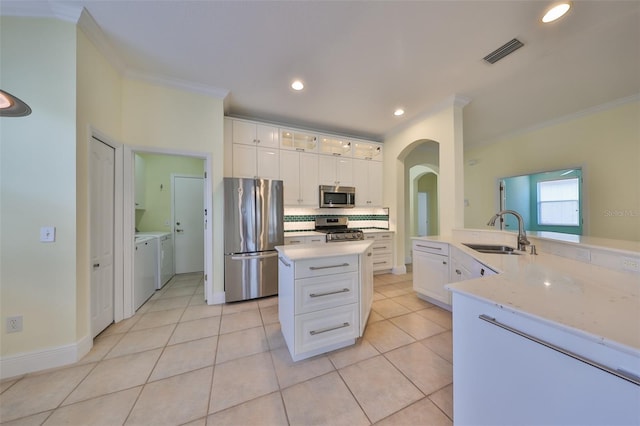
(188, 223)
(423, 214)
(102, 199)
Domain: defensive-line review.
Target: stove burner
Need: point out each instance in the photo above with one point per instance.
(336, 229)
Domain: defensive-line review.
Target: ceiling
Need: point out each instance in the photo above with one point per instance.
(360, 60)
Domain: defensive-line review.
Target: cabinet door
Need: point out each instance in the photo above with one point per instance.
(244, 161)
(267, 136)
(366, 287)
(344, 171)
(308, 180)
(244, 132)
(430, 274)
(326, 170)
(375, 183)
(140, 183)
(268, 163)
(361, 182)
(290, 175)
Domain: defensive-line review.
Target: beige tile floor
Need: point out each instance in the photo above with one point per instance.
(179, 361)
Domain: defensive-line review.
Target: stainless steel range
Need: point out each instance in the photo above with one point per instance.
(337, 229)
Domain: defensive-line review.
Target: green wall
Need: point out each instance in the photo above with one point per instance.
(158, 171)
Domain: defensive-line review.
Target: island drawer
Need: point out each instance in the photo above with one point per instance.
(328, 291)
(325, 328)
(326, 266)
(431, 247)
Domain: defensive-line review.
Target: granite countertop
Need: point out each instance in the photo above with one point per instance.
(598, 303)
(316, 251)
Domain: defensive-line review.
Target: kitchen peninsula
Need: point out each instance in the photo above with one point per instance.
(552, 338)
(325, 292)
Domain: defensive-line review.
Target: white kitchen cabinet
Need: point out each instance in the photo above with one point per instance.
(367, 150)
(511, 369)
(299, 173)
(255, 134)
(336, 146)
(322, 302)
(464, 267)
(431, 271)
(256, 162)
(140, 182)
(298, 141)
(305, 239)
(367, 179)
(382, 249)
(335, 171)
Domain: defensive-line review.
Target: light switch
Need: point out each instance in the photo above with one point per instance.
(47, 234)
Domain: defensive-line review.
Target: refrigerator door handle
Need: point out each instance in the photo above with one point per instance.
(254, 256)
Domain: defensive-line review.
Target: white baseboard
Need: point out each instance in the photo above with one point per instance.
(399, 270)
(28, 362)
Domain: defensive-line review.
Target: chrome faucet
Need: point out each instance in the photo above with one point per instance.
(522, 234)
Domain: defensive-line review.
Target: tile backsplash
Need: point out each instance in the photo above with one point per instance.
(303, 219)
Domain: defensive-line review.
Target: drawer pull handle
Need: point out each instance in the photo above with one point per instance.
(315, 268)
(324, 330)
(344, 290)
(379, 263)
(625, 375)
(429, 247)
(288, 265)
(380, 248)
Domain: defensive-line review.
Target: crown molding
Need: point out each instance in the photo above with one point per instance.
(92, 30)
(69, 12)
(188, 86)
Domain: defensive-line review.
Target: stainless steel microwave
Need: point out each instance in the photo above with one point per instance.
(337, 196)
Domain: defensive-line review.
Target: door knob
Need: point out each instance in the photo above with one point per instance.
(179, 230)
(178, 223)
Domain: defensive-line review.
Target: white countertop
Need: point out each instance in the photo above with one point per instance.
(589, 300)
(315, 251)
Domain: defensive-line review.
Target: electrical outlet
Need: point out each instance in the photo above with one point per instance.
(14, 324)
(631, 264)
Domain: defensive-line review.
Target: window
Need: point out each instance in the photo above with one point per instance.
(559, 202)
(548, 201)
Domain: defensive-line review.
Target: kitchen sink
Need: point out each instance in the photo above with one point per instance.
(492, 248)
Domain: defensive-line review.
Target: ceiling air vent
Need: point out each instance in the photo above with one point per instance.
(504, 50)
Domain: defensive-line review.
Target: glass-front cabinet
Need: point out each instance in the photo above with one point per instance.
(367, 150)
(298, 141)
(331, 145)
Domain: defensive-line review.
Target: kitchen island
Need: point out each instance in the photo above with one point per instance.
(325, 293)
(548, 340)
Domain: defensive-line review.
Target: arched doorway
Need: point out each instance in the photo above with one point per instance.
(421, 165)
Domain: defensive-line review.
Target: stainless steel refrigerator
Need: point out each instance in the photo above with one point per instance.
(253, 226)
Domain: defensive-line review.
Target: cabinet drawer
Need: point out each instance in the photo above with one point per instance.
(383, 262)
(326, 266)
(431, 247)
(386, 236)
(326, 327)
(294, 240)
(326, 291)
(380, 247)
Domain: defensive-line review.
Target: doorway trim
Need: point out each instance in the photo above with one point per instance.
(129, 219)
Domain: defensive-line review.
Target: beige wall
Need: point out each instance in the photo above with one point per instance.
(99, 98)
(38, 184)
(159, 117)
(444, 127)
(606, 144)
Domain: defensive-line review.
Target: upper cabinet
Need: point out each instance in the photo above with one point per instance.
(335, 171)
(299, 172)
(298, 141)
(248, 133)
(367, 150)
(331, 145)
(367, 178)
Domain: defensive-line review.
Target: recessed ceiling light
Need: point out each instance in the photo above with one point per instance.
(556, 12)
(297, 85)
(398, 112)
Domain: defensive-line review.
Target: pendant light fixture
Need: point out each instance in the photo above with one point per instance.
(10, 106)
